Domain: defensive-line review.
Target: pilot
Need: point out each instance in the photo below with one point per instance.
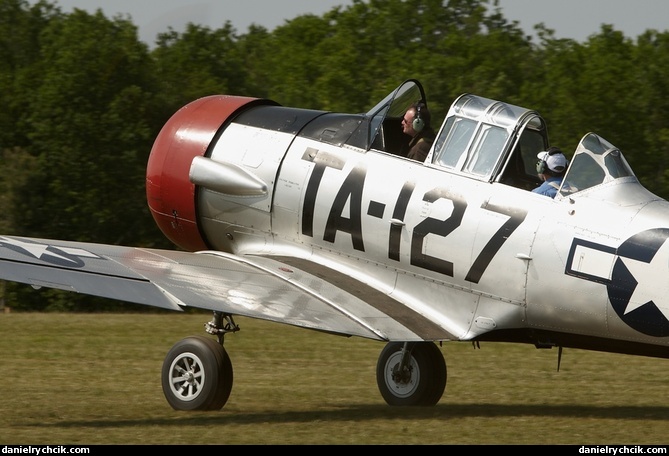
(551, 168)
(416, 123)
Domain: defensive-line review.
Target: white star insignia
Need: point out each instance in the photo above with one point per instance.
(652, 280)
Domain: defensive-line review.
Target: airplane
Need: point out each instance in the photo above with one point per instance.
(314, 219)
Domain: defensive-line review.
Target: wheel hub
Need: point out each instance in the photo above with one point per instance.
(401, 376)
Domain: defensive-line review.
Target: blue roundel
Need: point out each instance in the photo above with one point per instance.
(647, 318)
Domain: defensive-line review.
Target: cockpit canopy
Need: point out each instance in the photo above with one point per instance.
(596, 161)
(476, 139)
(479, 134)
(493, 141)
(483, 139)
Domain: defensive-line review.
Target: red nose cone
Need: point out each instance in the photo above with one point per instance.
(169, 192)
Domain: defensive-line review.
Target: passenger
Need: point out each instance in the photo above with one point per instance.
(416, 123)
(551, 168)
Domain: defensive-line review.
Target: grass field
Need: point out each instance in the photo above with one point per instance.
(95, 379)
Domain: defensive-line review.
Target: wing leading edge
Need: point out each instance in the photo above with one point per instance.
(256, 287)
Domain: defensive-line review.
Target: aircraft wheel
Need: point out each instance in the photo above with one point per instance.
(197, 375)
(422, 382)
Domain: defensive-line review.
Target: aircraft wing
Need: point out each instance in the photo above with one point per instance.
(257, 287)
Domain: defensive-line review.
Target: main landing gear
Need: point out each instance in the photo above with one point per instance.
(197, 372)
(411, 373)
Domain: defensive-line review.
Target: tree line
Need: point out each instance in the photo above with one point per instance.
(83, 98)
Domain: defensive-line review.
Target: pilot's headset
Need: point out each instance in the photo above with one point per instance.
(542, 166)
(418, 122)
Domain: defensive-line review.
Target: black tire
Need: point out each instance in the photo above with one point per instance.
(422, 384)
(224, 386)
(439, 377)
(197, 375)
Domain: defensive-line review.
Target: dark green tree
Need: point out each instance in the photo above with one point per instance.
(594, 87)
(254, 49)
(20, 28)
(650, 156)
(91, 128)
(292, 65)
(197, 63)
(90, 123)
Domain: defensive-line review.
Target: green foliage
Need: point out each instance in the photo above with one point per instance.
(198, 63)
(91, 131)
(17, 166)
(20, 27)
(89, 125)
(293, 65)
(83, 98)
(651, 109)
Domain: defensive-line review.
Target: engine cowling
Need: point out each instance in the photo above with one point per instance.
(189, 133)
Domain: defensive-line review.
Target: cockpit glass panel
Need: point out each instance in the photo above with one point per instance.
(451, 145)
(505, 114)
(487, 151)
(479, 134)
(616, 164)
(400, 99)
(393, 106)
(596, 161)
(584, 173)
